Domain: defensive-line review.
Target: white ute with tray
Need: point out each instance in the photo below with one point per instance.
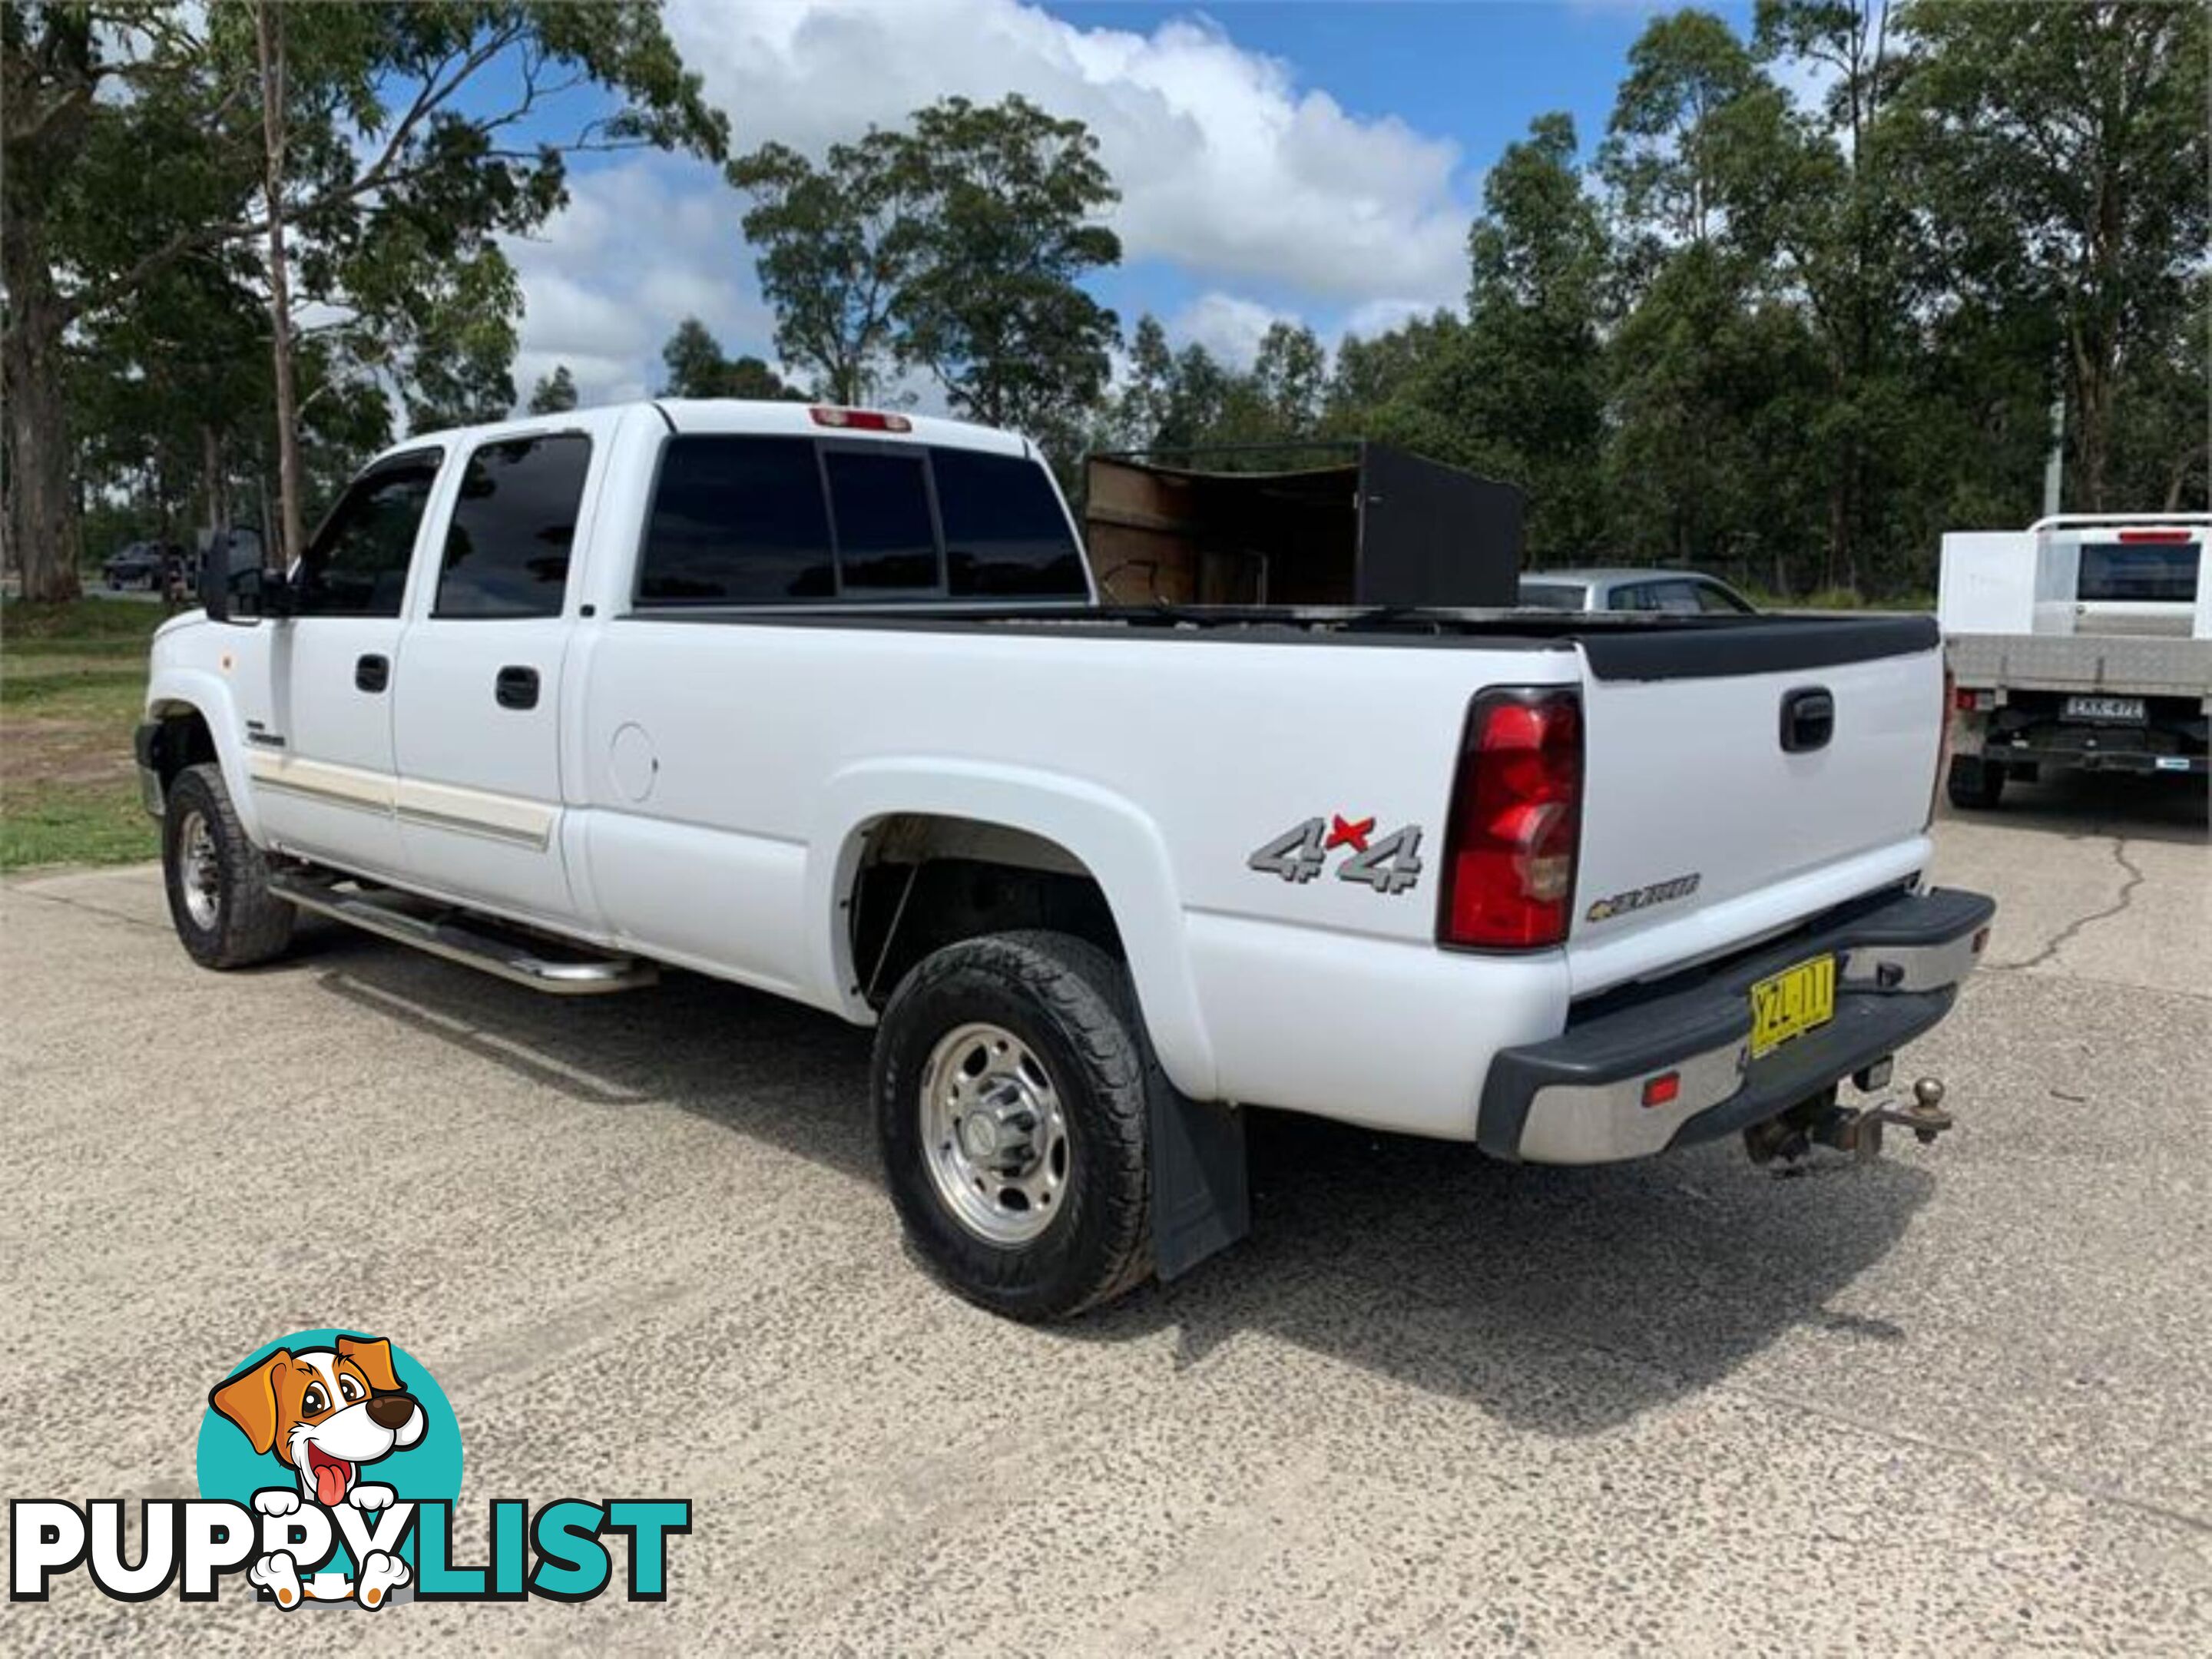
(2083, 643)
(823, 702)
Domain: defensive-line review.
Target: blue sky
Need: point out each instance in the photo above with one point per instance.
(1316, 159)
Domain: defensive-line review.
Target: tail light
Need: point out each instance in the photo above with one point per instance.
(1516, 821)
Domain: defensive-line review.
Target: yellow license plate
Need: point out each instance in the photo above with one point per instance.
(1792, 1003)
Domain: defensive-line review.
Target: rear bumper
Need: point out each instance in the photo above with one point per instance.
(2099, 749)
(1578, 1098)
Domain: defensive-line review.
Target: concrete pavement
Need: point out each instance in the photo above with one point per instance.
(1954, 1401)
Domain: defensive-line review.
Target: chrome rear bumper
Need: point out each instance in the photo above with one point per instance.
(1578, 1098)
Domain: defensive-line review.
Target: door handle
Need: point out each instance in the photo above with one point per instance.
(372, 673)
(1808, 719)
(516, 687)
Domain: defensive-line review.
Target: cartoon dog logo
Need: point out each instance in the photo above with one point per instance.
(324, 1412)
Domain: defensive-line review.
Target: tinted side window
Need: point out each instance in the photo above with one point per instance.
(736, 521)
(508, 547)
(1673, 597)
(886, 539)
(1714, 598)
(1635, 596)
(357, 565)
(1551, 596)
(1005, 533)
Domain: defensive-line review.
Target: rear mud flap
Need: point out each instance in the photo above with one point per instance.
(1201, 1203)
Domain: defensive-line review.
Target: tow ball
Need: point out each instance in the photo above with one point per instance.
(1820, 1121)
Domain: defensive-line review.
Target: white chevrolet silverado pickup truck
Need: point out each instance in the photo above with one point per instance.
(823, 701)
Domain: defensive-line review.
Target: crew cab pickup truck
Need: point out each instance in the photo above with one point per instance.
(823, 702)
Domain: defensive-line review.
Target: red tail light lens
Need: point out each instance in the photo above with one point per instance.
(1516, 821)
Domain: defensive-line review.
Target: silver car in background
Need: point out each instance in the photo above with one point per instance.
(1674, 591)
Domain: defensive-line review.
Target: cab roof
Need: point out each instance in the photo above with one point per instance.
(689, 416)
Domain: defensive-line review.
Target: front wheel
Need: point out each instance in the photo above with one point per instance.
(1012, 1090)
(218, 881)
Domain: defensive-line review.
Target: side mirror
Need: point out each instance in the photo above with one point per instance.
(215, 583)
(235, 589)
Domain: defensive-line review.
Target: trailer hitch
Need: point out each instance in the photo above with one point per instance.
(1820, 1121)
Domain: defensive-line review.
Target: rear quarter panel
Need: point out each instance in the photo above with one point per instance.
(1162, 763)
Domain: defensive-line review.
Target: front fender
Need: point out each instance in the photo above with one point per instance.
(175, 691)
(1108, 835)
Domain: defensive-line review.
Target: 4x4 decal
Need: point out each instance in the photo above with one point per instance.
(1389, 864)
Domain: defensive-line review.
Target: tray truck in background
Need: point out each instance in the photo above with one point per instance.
(2083, 641)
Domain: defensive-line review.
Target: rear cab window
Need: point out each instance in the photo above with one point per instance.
(2145, 571)
(743, 520)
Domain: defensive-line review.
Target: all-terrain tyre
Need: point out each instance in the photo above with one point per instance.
(1013, 1087)
(1975, 783)
(217, 880)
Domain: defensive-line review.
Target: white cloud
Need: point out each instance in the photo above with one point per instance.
(1227, 324)
(1380, 316)
(640, 247)
(1227, 167)
(1231, 172)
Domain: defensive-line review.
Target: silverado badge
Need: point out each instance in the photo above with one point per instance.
(1640, 898)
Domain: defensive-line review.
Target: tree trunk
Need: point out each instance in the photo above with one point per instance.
(268, 30)
(218, 493)
(42, 521)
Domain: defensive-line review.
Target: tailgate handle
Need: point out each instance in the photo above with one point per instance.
(1808, 719)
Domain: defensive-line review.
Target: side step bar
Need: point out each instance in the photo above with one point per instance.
(448, 933)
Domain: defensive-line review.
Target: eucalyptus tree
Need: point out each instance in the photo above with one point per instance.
(368, 156)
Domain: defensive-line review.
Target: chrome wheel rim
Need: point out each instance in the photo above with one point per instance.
(993, 1134)
(200, 870)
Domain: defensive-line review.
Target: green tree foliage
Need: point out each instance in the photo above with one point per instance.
(1705, 457)
(2063, 153)
(555, 393)
(1290, 377)
(1515, 391)
(956, 246)
(1793, 336)
(698, 368)
(1818, 337)
(834, 245)
(1006, 197)
(1171, 402)
(139, 142)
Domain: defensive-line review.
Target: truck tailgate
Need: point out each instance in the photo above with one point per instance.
(1715, 808)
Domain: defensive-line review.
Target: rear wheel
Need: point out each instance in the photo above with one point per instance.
(1975, 783)
(217, 880)
(1012, 1094)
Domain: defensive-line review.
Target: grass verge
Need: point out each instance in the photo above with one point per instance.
(72, 681)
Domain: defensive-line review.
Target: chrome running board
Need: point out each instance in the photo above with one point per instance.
(459, 937)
